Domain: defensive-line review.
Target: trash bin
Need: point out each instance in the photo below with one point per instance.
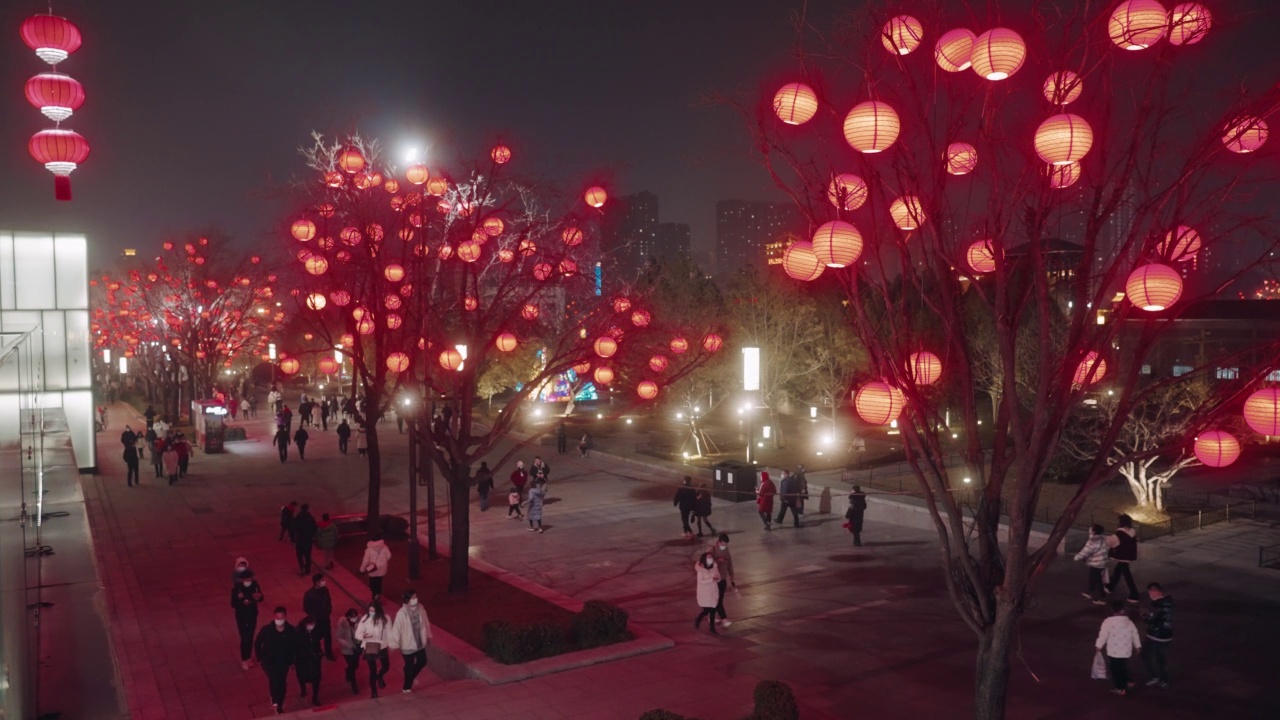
(734, 482)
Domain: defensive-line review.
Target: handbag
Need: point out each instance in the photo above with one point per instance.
(1099, 670)
(372, 648)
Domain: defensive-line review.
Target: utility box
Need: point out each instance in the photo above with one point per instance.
(734, 481)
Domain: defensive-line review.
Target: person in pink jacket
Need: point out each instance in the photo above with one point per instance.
(764, 500)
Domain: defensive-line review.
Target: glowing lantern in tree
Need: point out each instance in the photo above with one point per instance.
(907, 212)
(506, 342)
(595, 196)
(451, 359)
(621, 304)
(1216, 448)
(392, 302)
(568, 267)
(366, 326)
(289, 366)
(847, 191)
(1063, 176)
(1188, 23)
(837, 244)
(1262, 411)
(326, 210)
(406, 234)
(1180, 245)
(640, 318)
(417, 174)
(582, 367)
(347, 340)
(341, 298)
(542, 271)
(303, 229)
(795, 103)
(998, 54)
(469, 251)
(394, 273)
(801, 262)
(924, 367)
(1063, 87)
(350, 236)
(334, 180)
(981, 257)
(572, 236)
(605, 346)
(528, 247)
(61, 151)
(394, 321)
(658, 363)
(397, 362)
(1246, 134)
(712, 342)
(901, 34)
(55, 94)
(961, 158)
(529, 312)
(647, 390)
(470, 303)
(871, 127)
(878, 403)
(1090, 370)
(493, 226)
(445, 252)
(1137, 24)
(316, 301)
(506, 255)
(1154, 287)
(603, 375)
(391, 186)
(316, 265)
(374, 231)
(954, 49)
(679, 345)
(1063, 139)
(350, 160)
(328, 365)
(437, 186)
(501, 154)
(52, 37)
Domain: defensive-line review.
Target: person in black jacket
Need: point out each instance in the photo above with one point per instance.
(318, 605)
(685, 499)
(286, 519)
(484, 485)
(300, 437)
(246, 595)
(281, 442)
(702, 510)
(789, 493)
(344, 436)
(1159, 635)
(306, 658)
(857, 506)
(275, 648)
(1124, 550)
(304, 535)
(131, 462)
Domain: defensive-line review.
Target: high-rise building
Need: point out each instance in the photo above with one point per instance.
(674, 239)
(744, 229)
(631, 236)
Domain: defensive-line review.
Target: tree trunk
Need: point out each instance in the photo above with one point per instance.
(374, 510)
(991, 678)
(459, 530)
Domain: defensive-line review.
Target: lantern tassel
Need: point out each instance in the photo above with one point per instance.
(62, 187)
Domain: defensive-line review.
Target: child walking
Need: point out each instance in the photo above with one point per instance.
(513, 505)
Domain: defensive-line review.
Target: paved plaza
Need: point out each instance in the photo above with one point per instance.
(857, 632)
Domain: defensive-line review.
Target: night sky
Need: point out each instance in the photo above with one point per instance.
(195, 109)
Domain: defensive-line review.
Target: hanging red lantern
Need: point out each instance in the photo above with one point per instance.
(954, 49)
(961, 158)
(328, 365)
(1137, 24)
(871, 127)
(366, 326)
(437, 186)
(529, 312)
(1154, 287)
(542, 271)
(1188, 23)
(1245, 134)
(55, 94)
(1180, 245)
(981, 257)
(493, 226)
(878, 403)
(1063, 87)
(451, 359)
(907, 212)
(1090, 370)
(527, 247)
(658, 363)
(469, 303)
(1262, 411)
(60, 151)
(795, 103)
(582, 367)
(1063, 176)
(901, 34)
(800, 262)
(640, 318)
(595, 196)
(316, 301)
(647, 390)
(1216, 448)
(603, 375)
(289, 366)
(712, 342)
(679, 345)
(391, 186)
(394, 321)
(621, 304)
(506, 342)
(572, 236)
(847, 191)
(303, 229)
(468, 251)
(501, 154)
(397, 362)
(505, 255)
(347, 340)
(837, 244)
(316, 265)
(998, 54)
(605, 346)
(350, 160)
(52, 37)
(924, 367)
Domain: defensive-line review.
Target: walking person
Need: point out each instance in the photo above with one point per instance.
(141, 444)
(306, 658)
(708, 579)
(484, 485)
(411, 631)
(246, 595)
(513, 504)
(562, 439)
(1124, 550)
(702, 511)
(857, 507)
(1094, 556)
(281, 442)
(1117, 640)
(789, 493)
(183, 449)
(150, 414)
(286, 519)
(324, 414)
(684, 499)
(584, 443)
(536, 495)
(157, 452)
(724, 563)
(300, 438)
(344, 436)
(764, 500)
(1159, 634)
(240, 570)
(327, 540)
(131, 462)
(540, 469)
(349, 647)
(318, 605)
(128, 437)
(372, 635)
(275, 649)
(304, 536)
(519, 477)
(170, 459)
(374, 564)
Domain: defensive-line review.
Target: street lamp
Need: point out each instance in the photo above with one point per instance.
(750, 384)
(271, 353)
(124, 365)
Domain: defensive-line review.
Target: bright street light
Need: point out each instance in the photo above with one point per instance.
(751, 369)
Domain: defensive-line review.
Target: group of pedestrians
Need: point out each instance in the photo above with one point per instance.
(792, 492)
(696, 503)
(532, 500)
(170, 451)
(300, 526)
(562, 441)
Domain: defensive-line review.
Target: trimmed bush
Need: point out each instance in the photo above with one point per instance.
(775, 701)
(600, 623)
(511, 644)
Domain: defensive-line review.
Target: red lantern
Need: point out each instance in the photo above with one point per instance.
(568, 267)
(52, 37)
(1063, 139)
(603, 375)
(347, 340)
(469, 303)
(506, 342)
(303, 229)
(998, 53)
(529, 312)
(582, 367)
(647, 390)
(679, 345)
(1063, 87)
(1246, 134)
(316, 301)
(621, 304)
(871, 127)
(847, 191)
(961, 158)
(316, 265)
(437, 186)
(493, 226)
(1216, 448)
(837, 244)
(289, 366)
(451, 359)
(712, 342)
(393, 273)
(542, 271)
(954, 49)
(795, 103)
(605, 346)
(658, 363)
(981, 256)
(394, 321)
(800, 262)
(1090, 370)
(60, 151)
(417, 174)
(366, 326)
(468, 251)
(1154, 287)
(1137, 24)
(328, 365)
(1063, 176)
(901, 34)
(640, 318)
(595, 196)
(397, 362)
(907, 212)
(924, 367)
(341, 298)
(501, 154)
(527, 247)
(391, 186)
(1188, 23)
(350, 160)
(879, 403)
(1262, 411)
(1180, 245)
(56, 95)
(572, 236)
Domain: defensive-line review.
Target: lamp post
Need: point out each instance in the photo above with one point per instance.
(271, 354)
(415, 554)
(750, 384)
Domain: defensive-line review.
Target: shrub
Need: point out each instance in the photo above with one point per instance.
(775, 701)
(510, 644)
(600, 623)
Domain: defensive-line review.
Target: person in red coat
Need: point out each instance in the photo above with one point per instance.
(519, 477)
(764, 500)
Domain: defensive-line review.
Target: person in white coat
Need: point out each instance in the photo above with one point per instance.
(410, 632)
(708, 590)
(1117, 640)
(1094, 554)
(373, 634)
(374, 564)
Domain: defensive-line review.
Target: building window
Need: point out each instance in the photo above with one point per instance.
(1146, 369)
(1227, 373)
(1180, 370)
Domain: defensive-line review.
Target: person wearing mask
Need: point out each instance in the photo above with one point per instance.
(1124, 550)
(275, 648)
(1094, 556)
(372, 634)
(246, 595)
(327, 540)
(286, 519)
(1117, 641)
(724, 563)
(300, 438)
(318, 605)
(1159, 635)
(702, 511)
(857, 508)
(708, 577)
(764, 500)
(131, 462)
(344, 436)
(349, 647)
(374, 564)
(128, 437)
(304, 536)
(536, 496)
(684, 500)
(519, 477)
(484, 485)
(171, 461)
(306, 658)
(281, 442)
(411, 631)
